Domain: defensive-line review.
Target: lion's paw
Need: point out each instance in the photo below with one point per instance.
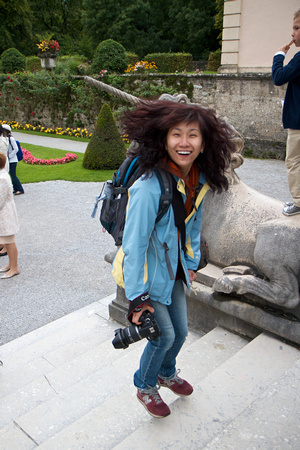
(224, 285)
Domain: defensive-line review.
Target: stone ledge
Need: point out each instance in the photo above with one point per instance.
(207, 309)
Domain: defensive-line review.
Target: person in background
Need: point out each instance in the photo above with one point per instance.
(4, 146)
(13, 160)
(157, 259)
(291, 113)
(9, 225)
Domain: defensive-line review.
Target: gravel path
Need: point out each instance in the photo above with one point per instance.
(61, 257)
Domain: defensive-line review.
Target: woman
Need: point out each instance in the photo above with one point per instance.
(13, 160)
(8, 222)
(195, 147)
(4, 145)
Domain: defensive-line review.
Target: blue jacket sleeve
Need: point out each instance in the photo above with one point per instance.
(283, 74)
(142, 209)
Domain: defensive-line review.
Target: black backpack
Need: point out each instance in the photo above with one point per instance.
(114, 195)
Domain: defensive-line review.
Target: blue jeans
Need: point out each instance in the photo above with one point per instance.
(14, 179)
(159, 356)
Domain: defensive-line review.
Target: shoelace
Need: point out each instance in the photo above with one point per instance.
(175, 379)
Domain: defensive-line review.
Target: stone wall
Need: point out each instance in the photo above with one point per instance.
(252, 104)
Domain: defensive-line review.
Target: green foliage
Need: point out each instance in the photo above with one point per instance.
(33, 64)
(193, 26)
(157, 26)
(214, 60)
(16, 26)
(219, 18)
(12, 61)
(69, 65)
(106, 149)
(57, 101)
(60, 19)
(132, 58)
(111, 56)
(171, 62)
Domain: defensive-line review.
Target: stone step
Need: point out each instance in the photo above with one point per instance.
(224, 396)
(270, 422)
(59, 325)
(68, 388)
(58, 361)
(64, 415)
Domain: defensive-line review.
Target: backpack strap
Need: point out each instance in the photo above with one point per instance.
(179, 213)
(166, 187)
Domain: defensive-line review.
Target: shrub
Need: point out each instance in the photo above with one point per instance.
(33, 64)
(69, 65)
(214, 60)
(12, 61)
(110, 55)
(171, 62)
(132, 58)
(106, 149)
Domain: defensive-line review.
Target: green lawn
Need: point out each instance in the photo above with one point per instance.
(72, 171)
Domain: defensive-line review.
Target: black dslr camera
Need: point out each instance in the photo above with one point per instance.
(148, 329)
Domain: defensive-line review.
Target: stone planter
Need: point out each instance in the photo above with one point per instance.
(48, 62)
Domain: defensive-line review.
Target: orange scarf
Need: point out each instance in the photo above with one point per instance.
(191, 183)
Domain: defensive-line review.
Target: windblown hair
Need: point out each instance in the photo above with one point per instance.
(2, 160)
(148, 125)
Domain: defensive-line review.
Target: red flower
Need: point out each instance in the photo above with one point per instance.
(17, 98)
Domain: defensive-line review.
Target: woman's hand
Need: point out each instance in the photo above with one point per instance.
(192, 275)
(136, 315)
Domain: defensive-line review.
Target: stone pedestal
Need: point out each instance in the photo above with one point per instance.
(48, 62)
(118, 308)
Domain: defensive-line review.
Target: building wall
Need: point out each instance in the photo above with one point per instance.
(253, 30)
(252, 104)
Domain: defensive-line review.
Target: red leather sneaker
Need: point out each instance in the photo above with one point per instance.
(153, 403)
(177, 385)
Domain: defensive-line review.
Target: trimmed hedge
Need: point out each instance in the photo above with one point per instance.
(214, 60)
(171, 62)
(110, 56)
(12, 61)
(106, 149)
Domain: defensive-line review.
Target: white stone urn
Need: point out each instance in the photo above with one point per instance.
(48, 62)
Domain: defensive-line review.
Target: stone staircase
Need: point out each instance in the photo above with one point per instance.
(64, 386)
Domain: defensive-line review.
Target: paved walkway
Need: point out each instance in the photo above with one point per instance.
(46, 141)
(61, 249)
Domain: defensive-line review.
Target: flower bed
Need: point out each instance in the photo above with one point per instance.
(28, 158)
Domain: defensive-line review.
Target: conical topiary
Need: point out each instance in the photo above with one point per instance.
(106, 149)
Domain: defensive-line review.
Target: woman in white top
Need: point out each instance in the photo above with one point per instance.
(9, 225)
(13, 160)
(4, 146)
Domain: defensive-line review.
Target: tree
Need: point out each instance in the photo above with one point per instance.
(59, 18)
(106, 149)
(219, 17)
(193, 26)
(15, 26)
(153, 26)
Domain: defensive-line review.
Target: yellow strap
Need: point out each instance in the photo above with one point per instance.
(199, 199)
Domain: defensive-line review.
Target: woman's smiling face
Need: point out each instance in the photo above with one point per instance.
(184, 144)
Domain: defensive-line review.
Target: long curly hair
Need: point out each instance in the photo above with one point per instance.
(148, 125)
